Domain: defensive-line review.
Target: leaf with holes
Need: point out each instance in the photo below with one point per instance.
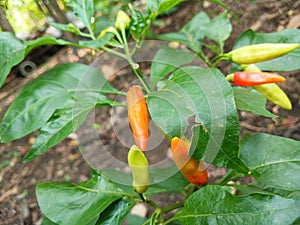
(205, 94)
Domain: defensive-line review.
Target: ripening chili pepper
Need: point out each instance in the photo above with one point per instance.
(254, 78)
(271, 91)
(194, 171)
(138, 164)
(260, 52)
(138, 116)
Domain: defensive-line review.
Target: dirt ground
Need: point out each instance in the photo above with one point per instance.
(64, 162)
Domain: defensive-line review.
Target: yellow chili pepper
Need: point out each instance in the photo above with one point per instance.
(271, 91)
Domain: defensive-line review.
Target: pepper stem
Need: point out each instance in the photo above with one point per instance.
(229, 77)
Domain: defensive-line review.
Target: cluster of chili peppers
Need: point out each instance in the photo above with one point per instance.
(194, 171)
(263, 82)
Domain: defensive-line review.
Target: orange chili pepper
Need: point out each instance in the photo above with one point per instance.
(194, 171)
(138, 116)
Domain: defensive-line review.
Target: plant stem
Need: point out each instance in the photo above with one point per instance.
(119, 38)
(91, 32)
(232, 174)
(140, 75)
(151, 203)
(172, 207)
(124, 38)
(114, 52)
(134, 66)
(203, 57)
(85, 35)
(146, 222)
(142, 197)
(216, 60)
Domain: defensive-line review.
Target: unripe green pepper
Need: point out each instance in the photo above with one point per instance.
(260, 52)
(271, 91)
(139, 167)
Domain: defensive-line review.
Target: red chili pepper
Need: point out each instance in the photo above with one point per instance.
(255, 78)
(194, 171)
(138, 116)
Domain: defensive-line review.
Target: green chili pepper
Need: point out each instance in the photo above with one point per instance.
(271, 91)
(254, 78)
(139, 167)
(260, 52)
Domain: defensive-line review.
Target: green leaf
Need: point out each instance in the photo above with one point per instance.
(65, 122)
(288, 62)
(101, 23)
(192, 34)
(166, 60)
(254, 188)
(47, 40)
(220, 3)
(66, 27)
(14, 50)
(156, 7)
(219, 29)
(215, 205)
(46, 221)
(250, 100)
(56, 130)
(206, 94)
(55, 89)
(115, 213)
(199, 27)
(123, 180)
(84, 10)
(169, 111)
(96, 44)
(134, 219)
(274, 161)
(139, 24)
(168, 180)
(69, 203)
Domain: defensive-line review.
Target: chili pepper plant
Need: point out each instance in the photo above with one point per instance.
(193, 106)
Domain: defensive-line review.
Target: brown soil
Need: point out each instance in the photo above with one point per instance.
(65, 163)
